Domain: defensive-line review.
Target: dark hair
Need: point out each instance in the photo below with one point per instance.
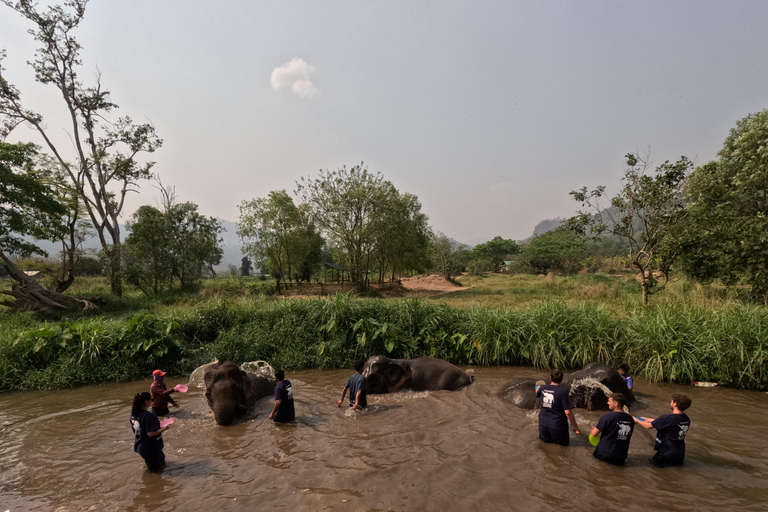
(280, 375)
(624, 367)
(683, 402)
(620, 398)
(359, 366)
(556, 376)
(138, 403)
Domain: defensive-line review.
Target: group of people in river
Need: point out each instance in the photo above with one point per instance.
(611, 435)
(614, 430)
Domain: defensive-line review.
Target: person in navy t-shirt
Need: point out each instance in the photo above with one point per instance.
(148, 440)
(283, 410)
(357, 389)
(624, 372)
(556, 411)
(615, 430)
(672, 429)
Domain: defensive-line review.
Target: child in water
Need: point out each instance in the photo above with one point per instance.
(672, 429)
(148, 439)
(624, 372)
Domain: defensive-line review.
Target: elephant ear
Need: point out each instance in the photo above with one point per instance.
(395, 377)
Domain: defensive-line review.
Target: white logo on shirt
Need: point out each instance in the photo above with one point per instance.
(289, 389)
(624, 431)
(549, 399)
(683, 432)
(136, 427)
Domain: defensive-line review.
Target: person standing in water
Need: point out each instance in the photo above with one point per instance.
(161, 395)
(556, 411)
(357, 389)
(624, 372)
(148, 435)
(615, 430)
(283, 410)
(672, 429)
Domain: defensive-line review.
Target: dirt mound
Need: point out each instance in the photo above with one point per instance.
(432, 282)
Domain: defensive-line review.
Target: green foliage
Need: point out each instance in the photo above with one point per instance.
(726, 235)
(646, 213)
(560, 249)
(448, 257)
(27, 204)
(170, 247)
(495, 250)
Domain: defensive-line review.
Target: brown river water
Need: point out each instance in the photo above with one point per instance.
(468, 450)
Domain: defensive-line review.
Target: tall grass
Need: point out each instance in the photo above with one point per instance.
(671, 342)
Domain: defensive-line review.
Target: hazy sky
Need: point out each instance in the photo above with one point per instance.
(490, 112)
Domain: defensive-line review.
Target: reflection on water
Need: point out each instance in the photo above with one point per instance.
(72, 450)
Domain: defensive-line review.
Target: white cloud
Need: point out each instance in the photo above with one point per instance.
(294, 76)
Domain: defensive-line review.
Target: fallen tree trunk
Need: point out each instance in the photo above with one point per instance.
(30, 295)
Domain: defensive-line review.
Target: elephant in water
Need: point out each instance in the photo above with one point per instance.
(589, 388)
(384, 375)
(230, 391)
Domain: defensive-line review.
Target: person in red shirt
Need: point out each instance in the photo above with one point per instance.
(161, 395)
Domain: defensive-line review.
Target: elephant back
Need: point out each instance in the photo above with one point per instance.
(260, 386)
(521, 392)
(431, 374)
(590, 386)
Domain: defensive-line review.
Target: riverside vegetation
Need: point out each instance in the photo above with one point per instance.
(690, 332)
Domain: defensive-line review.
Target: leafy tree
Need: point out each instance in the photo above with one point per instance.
(245, 267)
(645, 212)
(402, 235)
(105, 164)
(449, 257)
(560, 249)
(279, 236)
(164, 248)
(726, 233)
(346, 205)
(495, 250)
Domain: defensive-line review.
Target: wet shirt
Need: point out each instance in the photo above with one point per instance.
(284, 392)
(141, 424)
(615, 431)
(628, 380)
(554, 402)
(355, 383)
(670, 439)
(161, 396)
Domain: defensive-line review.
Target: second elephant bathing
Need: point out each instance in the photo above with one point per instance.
(231, 391)
(385, 375)
(589, 388)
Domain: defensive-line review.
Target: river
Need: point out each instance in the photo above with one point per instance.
(71, 450)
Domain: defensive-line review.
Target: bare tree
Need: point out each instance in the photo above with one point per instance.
(104, 167)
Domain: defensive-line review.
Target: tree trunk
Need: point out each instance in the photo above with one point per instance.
(30, 295)
(115, 277)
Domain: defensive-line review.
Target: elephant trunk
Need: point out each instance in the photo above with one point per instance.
(224, 413)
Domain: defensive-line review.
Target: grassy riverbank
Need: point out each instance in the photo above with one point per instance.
(679, 338)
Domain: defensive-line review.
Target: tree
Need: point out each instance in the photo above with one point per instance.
(726, 233)
(165, 248)
(495, 250)
(645, 212)
(402, 235)
(346, 205)
(560, 249)
(28, 207)
(280, 236)
(105, 158)
(449, 257)
(245, 267)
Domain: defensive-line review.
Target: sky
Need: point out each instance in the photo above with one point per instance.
(490, 112)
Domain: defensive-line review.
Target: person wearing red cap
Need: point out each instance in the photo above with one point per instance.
(161, 395)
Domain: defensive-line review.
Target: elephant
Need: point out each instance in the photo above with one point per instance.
(230, 391)
(589, 388)
(385, 375)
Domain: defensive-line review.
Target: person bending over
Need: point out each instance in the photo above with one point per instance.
(624, 372)
(556, 411)
(615, 430)
(357, 389)
(283, 410)
(671, 432)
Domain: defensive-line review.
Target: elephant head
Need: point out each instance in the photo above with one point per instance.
(384, 375)
(589, 387)
(521, 392)
(230, 390)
